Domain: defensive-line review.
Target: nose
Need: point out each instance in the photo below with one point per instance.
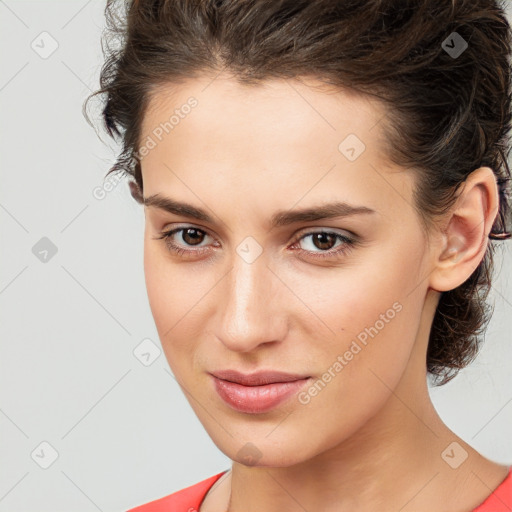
(253, 306)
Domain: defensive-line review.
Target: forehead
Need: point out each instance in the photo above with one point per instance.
(292, 107)
(215, 135)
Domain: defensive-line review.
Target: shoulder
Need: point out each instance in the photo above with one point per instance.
(186, 500)
(500, 500)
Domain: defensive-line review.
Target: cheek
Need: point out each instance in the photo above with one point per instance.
(171, 298)
(181, 301)
(171, 289)
(376, 319)
(372, 312)
(160, 295)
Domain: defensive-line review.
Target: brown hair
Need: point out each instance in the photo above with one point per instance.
(447, 114)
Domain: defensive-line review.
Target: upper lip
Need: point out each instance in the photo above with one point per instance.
(257, 378)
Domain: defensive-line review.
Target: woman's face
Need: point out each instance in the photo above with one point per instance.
(250, 294)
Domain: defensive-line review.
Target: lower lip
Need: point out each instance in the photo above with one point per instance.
(256, 399)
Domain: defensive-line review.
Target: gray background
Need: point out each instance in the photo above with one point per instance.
(123, 431)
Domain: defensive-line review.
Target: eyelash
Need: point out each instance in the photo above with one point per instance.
(348, 244)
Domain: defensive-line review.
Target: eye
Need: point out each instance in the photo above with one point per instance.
(190, 235)
(323, 240)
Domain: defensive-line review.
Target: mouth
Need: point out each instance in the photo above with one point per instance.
(258, 392)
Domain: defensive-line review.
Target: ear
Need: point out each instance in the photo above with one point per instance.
(136, 192)
(464, 238)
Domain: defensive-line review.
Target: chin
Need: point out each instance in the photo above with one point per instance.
(265, 452)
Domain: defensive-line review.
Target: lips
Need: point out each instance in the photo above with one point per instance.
(257, 392)
(257, 379)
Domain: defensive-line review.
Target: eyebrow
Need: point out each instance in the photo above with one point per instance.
(279, 219)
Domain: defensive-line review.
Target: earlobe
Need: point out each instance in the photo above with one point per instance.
(465, 237)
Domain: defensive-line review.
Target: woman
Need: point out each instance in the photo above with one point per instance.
(323, 184)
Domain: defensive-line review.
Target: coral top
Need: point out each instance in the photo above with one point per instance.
(190, 498)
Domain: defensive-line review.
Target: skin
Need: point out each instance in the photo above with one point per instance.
(371, 439)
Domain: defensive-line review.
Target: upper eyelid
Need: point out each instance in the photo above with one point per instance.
(336, 231)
